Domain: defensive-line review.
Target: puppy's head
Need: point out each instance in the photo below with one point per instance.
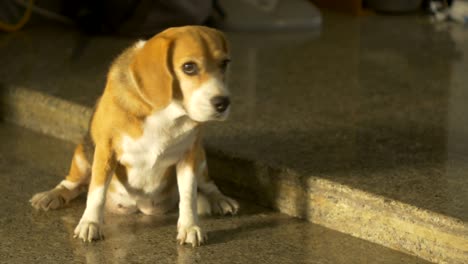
(187, 64)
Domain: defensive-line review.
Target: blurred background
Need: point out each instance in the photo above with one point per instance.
(145, 17)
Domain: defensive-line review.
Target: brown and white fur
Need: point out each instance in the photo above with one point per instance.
(144, 149)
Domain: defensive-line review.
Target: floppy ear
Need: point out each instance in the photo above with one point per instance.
(150, 68)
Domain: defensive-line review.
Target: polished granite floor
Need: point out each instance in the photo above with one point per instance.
(377, 103)
(29, 164)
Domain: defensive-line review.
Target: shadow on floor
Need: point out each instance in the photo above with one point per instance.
(408, 163)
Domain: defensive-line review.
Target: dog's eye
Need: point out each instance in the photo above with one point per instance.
(224, 64)
(190, 68)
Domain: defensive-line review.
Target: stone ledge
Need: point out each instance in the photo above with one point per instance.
(397, 225)
(45, 114)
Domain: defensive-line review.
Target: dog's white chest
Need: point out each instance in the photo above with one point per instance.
(167, 135)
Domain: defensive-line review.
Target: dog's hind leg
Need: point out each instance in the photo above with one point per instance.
(210, 199)
(74, 184)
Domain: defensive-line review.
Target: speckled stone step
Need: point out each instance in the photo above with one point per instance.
(400, 226)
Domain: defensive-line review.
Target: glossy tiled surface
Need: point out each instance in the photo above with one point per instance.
(376, 103)
(29, 164)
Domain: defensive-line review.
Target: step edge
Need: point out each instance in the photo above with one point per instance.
(23, 106)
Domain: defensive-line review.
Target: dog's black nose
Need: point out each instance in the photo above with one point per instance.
(220, 103)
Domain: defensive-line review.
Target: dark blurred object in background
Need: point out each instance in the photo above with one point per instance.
(394, 6)
(144, 18)
(100, 16)
(136, 17)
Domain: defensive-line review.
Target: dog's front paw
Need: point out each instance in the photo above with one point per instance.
(223, 205)
(88, 231)
(191, 235)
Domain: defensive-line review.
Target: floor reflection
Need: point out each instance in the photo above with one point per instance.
(376, 103)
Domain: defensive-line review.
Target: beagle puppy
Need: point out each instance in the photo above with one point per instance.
(144, 148)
